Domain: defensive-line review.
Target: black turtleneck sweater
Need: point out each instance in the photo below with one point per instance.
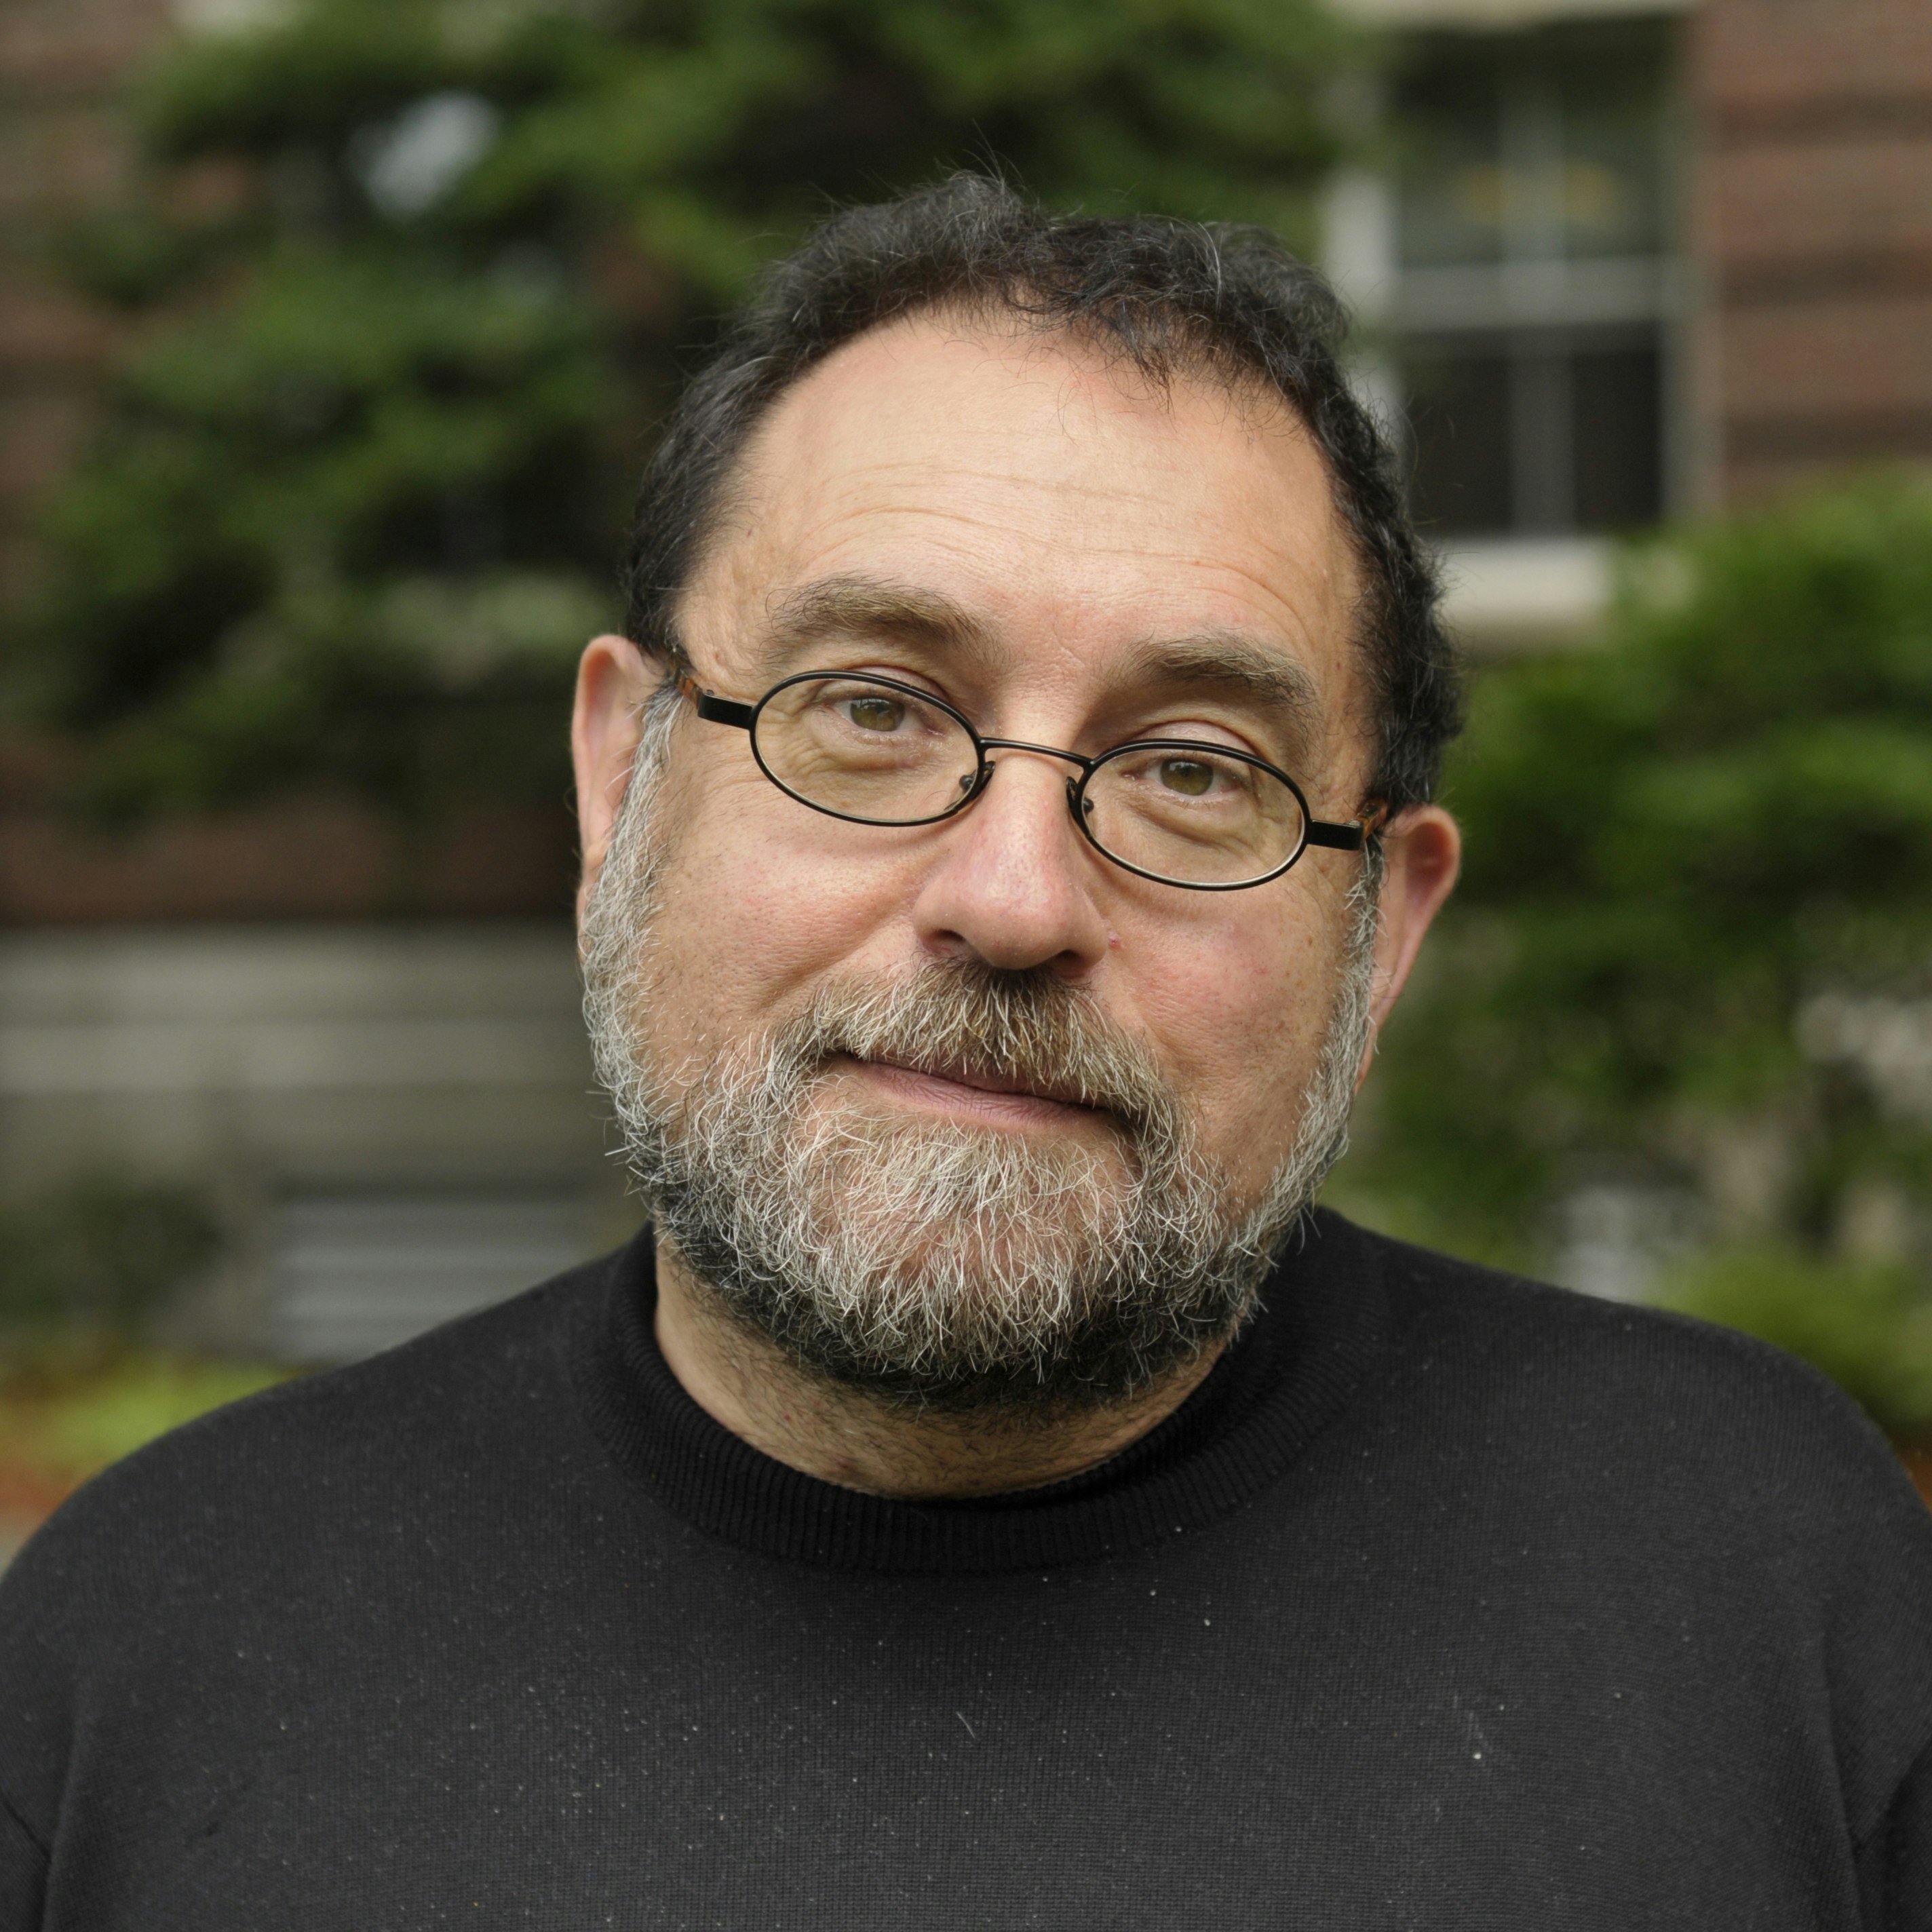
(1446, 1601)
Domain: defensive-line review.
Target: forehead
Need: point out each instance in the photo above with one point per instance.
(1076, 511)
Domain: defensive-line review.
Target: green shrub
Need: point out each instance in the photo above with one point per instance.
(99, 1257)
(1697, 854)
(74, 1424)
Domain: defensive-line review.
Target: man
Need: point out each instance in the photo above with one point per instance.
(991, 1498)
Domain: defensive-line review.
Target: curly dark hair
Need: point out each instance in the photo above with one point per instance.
(1231, 303)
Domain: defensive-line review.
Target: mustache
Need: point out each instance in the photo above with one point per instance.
(956, 1017)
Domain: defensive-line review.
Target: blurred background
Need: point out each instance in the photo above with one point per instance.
(332, 334)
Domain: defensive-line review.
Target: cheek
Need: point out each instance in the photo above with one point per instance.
(759, 899)
(1241, 1013)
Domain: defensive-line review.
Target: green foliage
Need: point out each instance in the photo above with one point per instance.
(99, 1257)
(62, 1421)
(413, 277)
(1696, 855)
(98, 1418)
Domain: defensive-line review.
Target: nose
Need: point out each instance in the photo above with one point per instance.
(1013, 885)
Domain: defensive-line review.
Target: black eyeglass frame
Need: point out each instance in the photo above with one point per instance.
(1351, 835)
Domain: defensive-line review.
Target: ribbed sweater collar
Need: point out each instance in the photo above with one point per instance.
(1322, 1327)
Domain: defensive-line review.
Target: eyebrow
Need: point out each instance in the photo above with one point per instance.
(873, 608)
(1225, 664)
(1231, 665)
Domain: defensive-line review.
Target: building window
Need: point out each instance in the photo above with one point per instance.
(1532, 278)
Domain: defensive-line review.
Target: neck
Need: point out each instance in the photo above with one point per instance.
(748, 1385)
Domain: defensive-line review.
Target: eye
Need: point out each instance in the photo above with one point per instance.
(875, 711)
(1191, 777)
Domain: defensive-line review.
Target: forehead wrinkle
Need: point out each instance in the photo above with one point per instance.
(1031, 506)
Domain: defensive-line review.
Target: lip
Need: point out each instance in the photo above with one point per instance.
(961, 1091)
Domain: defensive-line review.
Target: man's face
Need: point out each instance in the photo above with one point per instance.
(1070, 560)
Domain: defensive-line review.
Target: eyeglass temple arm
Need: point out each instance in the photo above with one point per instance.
(718, 710)
(1353, 836)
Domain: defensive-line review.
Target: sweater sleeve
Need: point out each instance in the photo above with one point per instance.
(41, 1614)
(23, 1873)
(1895, 1859)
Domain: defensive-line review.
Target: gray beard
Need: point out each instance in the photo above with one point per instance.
(925, 1262)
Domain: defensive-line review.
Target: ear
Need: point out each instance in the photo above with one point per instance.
(614, 679)
(1422, 852)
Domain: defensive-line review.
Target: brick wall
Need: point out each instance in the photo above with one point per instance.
(1812, 225)
(305, 858)
(62, 146)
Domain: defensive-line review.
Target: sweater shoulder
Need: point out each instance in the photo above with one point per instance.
(1655, 1393)
(415, 1414)
(1587, 1349)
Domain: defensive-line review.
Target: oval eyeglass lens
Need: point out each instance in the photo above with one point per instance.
(866, 751)
(1193, 814)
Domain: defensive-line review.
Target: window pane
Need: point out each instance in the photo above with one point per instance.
(1619, 458)
(1613, 149)
(1459, 431)
(1533, 146)
(1543, 444)
(1454, 197)
(1534, 434)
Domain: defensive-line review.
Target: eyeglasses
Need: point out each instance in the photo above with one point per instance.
(876, 751)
